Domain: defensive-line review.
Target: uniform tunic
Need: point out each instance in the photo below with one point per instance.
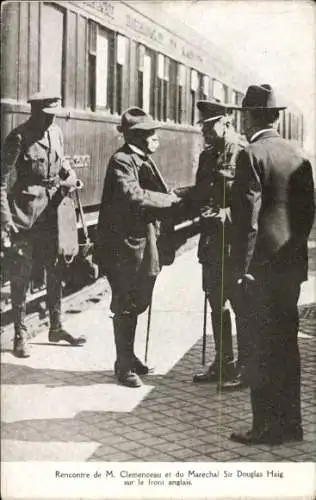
(34, 158)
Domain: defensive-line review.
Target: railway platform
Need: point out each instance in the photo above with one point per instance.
(63, 403)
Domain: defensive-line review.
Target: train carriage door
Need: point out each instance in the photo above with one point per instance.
(51, 49)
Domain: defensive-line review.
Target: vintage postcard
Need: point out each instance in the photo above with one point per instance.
(158, 249)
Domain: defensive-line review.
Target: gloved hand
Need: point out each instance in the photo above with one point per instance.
(6, 233)
(68, 176)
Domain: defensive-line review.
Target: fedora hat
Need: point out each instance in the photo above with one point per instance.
(211, 111)
(136, 119)
(46, 102)
(260, 97)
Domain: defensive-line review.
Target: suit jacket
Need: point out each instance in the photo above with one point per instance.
(272, 207)
(35, 160)
(134, 199)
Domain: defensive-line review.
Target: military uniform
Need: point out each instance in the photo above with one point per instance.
(135, 199)
(216, 170)
(210, 198)
(28, 213)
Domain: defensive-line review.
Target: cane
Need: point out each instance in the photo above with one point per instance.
(148, 329)
(204, 329)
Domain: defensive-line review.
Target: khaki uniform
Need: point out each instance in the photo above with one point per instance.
(34, 159)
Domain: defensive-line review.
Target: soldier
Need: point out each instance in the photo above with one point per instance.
(212, 196)
(135, 198)
(34, 150)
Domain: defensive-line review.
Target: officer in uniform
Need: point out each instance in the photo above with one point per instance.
(211, 195)
(135, 199)
(33, 153)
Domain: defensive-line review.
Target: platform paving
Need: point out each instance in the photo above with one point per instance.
(63, 403)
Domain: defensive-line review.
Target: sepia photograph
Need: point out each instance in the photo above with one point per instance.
(158, 249)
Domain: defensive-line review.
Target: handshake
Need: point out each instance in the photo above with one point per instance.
(68, 176)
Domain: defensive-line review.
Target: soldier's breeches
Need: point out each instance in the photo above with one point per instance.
(21, 268)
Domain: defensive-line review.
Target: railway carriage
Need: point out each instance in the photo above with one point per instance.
(104, 56)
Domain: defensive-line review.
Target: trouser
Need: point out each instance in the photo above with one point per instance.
(221, 315)
(26, 252)
(127, 303)
(273, 359)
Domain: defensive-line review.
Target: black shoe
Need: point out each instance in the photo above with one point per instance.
(21, 348)
(139, 368)
(208, 375)
(61, 334)
(234, 384)
(142, 369)
(292, 434)
(255, 437)
(129, 378)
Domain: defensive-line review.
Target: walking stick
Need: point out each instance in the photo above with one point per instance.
(148, 329)
(204, 328)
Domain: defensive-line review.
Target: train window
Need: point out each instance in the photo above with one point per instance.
(236, 114)
(181, 77)
(100, 67)
(120, 63)
(173, 91)
(102, 63)
(161, 88)
(51, 56)
(218, 91)
(290, 126)
(194, 89)
(145, 79)
(205, 87)
(166, 89)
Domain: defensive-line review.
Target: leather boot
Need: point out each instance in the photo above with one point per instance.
(124, 334)
(222, 331)
(21, 348)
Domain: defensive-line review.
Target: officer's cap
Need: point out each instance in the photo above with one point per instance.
(46, 102)
(136, 119)
(212, 111)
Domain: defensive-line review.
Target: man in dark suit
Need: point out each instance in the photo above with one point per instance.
(135, 199)
(33, 152)
(272, 214)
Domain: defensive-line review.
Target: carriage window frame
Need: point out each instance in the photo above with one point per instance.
(218, 90)
(121, 44)
(146, 74)
(47, 61)
(96, 66)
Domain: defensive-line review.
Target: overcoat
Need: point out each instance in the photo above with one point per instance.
(35, 159)
(272, 214)
(135, 198)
